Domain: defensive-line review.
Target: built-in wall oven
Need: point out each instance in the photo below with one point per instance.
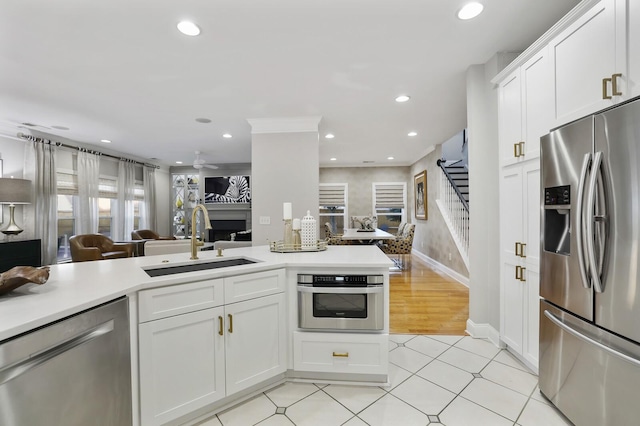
(341, 302)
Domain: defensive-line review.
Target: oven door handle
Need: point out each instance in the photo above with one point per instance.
(341, 290)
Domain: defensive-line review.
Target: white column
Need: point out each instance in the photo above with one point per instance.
(284, 168)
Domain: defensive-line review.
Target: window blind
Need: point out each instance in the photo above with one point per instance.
(389, 195)
(332, 195)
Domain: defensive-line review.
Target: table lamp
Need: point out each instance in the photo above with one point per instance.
(12, 192)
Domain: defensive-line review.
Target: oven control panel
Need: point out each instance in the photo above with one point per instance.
(340, 280)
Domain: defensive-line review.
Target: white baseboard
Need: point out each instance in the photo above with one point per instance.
(442, 268)
(484, 331)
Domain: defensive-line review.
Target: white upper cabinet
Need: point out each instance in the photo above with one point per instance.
(525, 104)
(510, 119)
(589, 60)
(633, 47)
(537, 102)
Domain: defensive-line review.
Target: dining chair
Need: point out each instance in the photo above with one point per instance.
(333, 238)
(399, 247)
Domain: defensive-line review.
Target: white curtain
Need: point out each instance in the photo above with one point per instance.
(123, 220)
(88, 193)
(148, 219)
(42, 213)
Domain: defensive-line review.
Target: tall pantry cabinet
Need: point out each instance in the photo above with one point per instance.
(524, 110)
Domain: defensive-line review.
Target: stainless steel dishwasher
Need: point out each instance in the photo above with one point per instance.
(76, 371)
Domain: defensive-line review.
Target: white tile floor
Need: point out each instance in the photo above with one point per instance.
(435, 380)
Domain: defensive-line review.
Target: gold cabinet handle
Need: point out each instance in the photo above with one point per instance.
(341, 354)
(522, 278)
(522, 247)
(521, 144)
(604, 88)
(230, 323)
(518, 248)
(614, 84)
(220, 326)
(518, 269)
(515, 150)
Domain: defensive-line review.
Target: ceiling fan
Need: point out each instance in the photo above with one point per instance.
(199, 163)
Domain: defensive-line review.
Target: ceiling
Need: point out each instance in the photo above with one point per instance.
(120, 70)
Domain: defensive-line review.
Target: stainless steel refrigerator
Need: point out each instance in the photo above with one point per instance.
(589, 363)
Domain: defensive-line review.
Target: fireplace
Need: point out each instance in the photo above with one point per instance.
(222, 229)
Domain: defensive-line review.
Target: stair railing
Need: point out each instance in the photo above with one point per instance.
(455, 210)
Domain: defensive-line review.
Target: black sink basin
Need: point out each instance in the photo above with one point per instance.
(170, 270)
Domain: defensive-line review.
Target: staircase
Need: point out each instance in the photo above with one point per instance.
(453, 202)
(460, 179)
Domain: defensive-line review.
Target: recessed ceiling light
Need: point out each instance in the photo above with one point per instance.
(203, 120)
(188, 28)
(402, 98)
(105, 141)
(470, 10)
(329, 136)
(178, 162)
(412, 134)
(389, 158)
(227, 135)
(332, 159)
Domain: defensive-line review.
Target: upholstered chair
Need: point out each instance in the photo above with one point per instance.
(86, 247)
(148, 234)
(332, 238)
(400, 246)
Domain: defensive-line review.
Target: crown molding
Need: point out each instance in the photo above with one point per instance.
(284, 124)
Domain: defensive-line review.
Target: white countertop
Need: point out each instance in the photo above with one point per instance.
(74, 287)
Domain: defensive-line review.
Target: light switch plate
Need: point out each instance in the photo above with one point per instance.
(265, 220)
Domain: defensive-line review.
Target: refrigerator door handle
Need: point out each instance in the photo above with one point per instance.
(575, 333)
(590, 219)
(586, 283)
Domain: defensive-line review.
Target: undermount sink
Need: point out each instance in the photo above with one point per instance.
(179, 269)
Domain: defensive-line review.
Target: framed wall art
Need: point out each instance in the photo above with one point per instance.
(420, 194)
(227, 190)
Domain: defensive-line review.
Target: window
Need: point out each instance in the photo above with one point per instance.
(68, 207)
(333, 206)
(389, 201)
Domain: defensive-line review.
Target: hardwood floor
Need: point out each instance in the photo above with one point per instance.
(424, 301)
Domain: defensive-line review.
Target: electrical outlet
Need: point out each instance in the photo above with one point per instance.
(265, 220)
(449, 256)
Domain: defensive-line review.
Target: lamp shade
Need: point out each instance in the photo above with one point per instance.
(15, 191)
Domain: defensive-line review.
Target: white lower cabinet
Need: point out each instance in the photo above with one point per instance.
(182, 365)
(341, 352)
(255, 341)
(193, 359)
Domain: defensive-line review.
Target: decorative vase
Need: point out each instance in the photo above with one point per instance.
(309, 233)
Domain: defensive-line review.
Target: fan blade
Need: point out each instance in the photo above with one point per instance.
(210, 166)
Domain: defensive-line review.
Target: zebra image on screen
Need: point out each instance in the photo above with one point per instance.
(228, 189)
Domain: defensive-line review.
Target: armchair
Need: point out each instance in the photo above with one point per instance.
(401, 245)
(148, 234)
(97, 247)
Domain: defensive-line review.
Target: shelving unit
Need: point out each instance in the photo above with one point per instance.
(185, 196)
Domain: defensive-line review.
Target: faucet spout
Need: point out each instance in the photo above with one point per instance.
(207, 224)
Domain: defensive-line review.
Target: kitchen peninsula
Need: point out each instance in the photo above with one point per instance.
(237, 325)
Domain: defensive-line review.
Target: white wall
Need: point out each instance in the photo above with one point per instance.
(285, 168)
(12, 155)
(484, 256)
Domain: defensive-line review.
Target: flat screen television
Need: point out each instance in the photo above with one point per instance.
(227, 190)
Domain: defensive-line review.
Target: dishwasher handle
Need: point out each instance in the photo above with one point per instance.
(22, 366)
